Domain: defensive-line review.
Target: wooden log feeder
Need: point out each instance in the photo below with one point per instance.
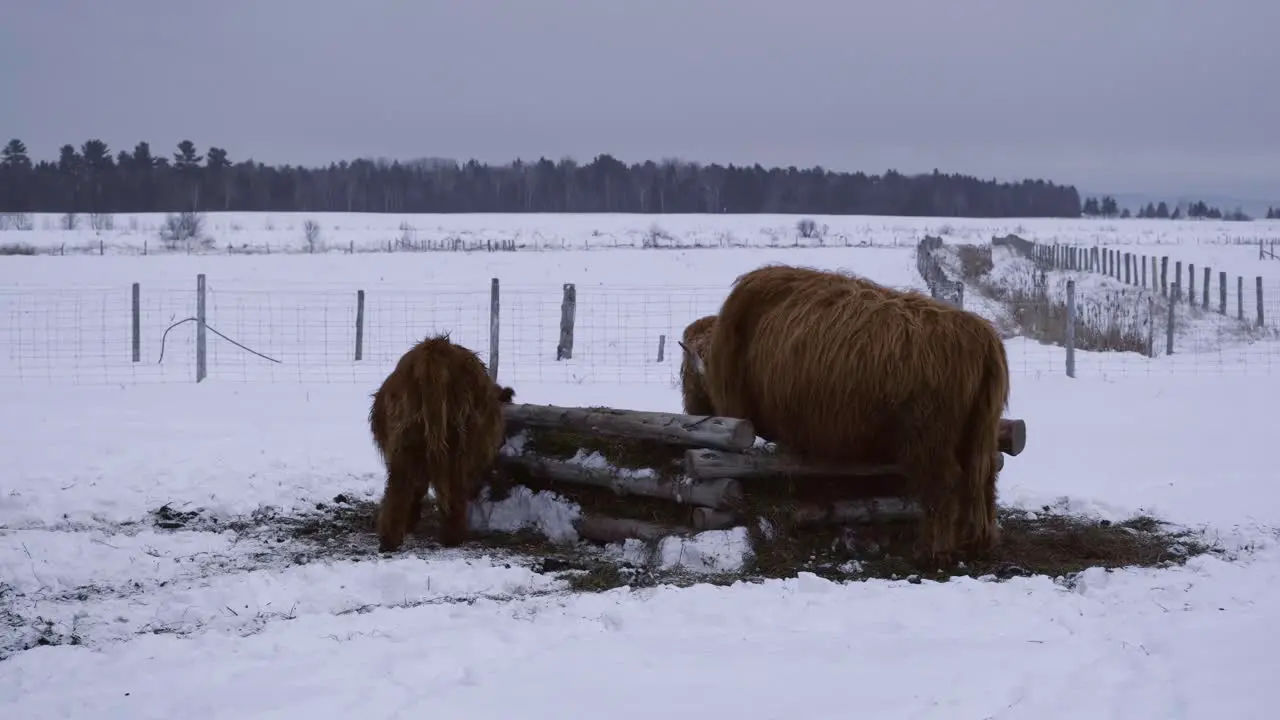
(672, 474)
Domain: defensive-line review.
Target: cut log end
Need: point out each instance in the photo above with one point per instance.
(1013, 436)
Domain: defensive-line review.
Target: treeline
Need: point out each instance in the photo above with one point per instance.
(93, 179)
(1106, 207)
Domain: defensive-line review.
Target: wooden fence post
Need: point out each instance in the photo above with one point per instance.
(1164, 276)
(1173, 303)
(568, 310)
(1240, 298)
(137, 322)
(1204, 303)
(662, 347)
(493, 329)
(1261, 316)
(359, 325)
(1070, 340)
(1191, 284)
(1222, 292)
(1151, 323)
(201, 366)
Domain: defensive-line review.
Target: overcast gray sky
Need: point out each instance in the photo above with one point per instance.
(1118, 95)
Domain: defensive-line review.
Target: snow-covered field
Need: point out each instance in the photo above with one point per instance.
(211, 621)
(377, 232)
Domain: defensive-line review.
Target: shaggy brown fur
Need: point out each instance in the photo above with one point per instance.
(437, 420)
(693, 388)
(840, 369)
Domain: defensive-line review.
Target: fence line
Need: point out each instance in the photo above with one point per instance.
(556, 334)
(1110, 324)
(1266, 249)
(1131, 269)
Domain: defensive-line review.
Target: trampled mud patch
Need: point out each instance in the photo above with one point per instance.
(340, 532)
(1043, 542)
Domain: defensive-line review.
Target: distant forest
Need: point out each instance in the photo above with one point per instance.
(93, 179)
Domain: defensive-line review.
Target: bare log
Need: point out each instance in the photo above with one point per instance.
(1013, 436)
(713, 465)
(718, 493)
(704, 519)
(877, 510)
(885, 509)
(674, 428)
(605, 529)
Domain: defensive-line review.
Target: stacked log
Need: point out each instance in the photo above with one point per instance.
(707, 472)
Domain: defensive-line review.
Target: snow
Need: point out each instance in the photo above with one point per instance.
(207, 621)
(275, 233)
(545, 512)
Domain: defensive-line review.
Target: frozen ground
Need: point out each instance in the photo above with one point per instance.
(211, 620)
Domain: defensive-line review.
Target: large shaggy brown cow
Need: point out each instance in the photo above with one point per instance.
(693, 388)
(437, 421)
(837, 368)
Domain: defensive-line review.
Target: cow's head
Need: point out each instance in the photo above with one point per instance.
(694, 359)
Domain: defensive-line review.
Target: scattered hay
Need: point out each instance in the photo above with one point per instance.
(1052, 545)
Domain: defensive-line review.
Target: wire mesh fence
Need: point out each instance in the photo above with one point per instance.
(552, 333)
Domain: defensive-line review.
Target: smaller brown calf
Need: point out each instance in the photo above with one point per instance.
(437, 421)
(693, 386)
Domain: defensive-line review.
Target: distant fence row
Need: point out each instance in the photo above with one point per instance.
(188, 233)
(528, 334)
(1131, 269)
(1112, 321)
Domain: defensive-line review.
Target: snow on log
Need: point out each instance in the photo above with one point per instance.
(605, 529)
(717, 493)
(674, 428)
(879, 510)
